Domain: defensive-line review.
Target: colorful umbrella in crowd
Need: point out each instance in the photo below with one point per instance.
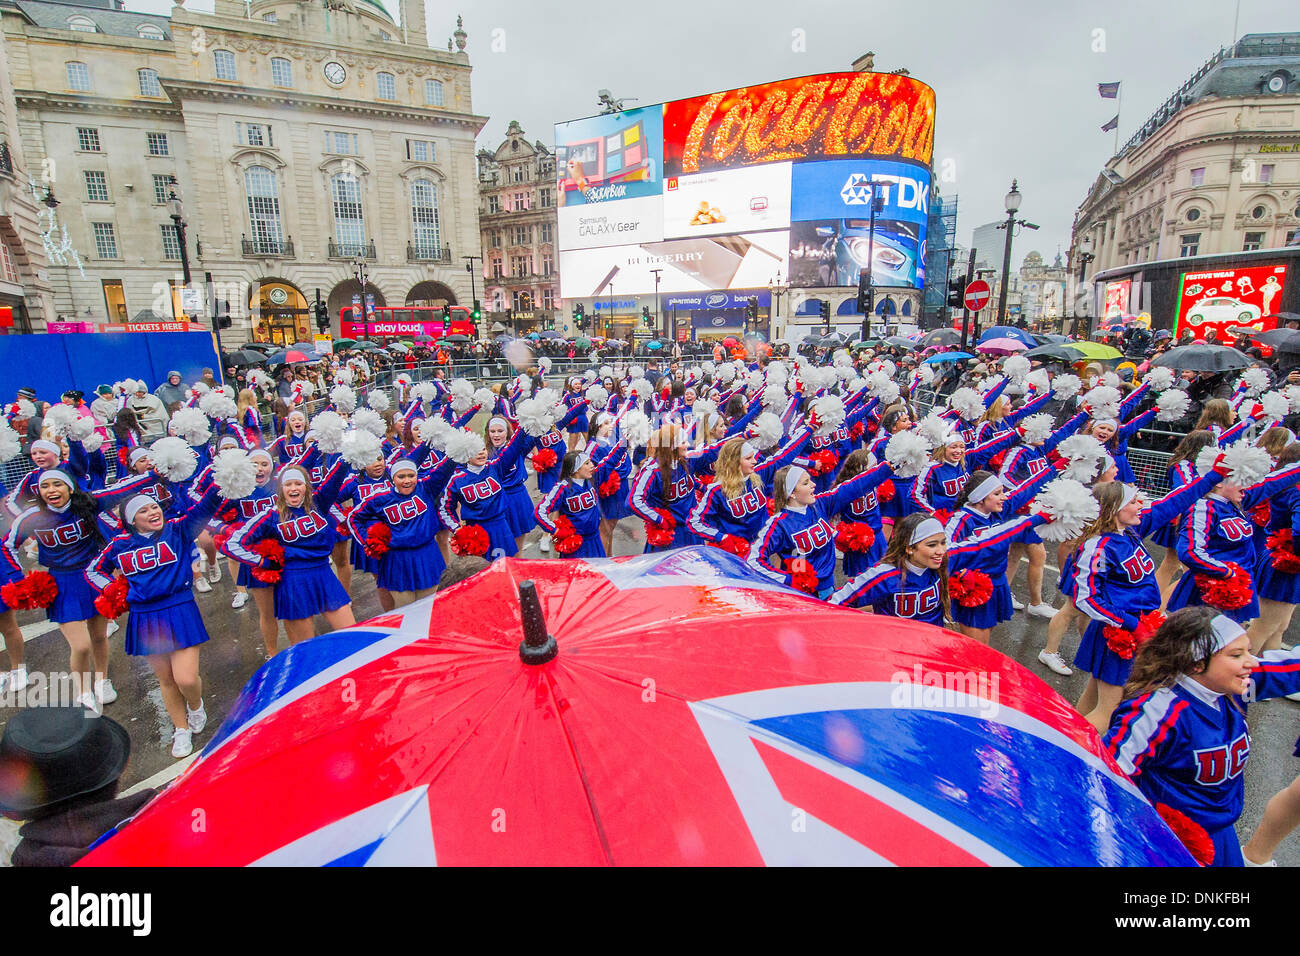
(1008, 332)
(666, 709)
(1001, 346)
(947, 357)
(1094, 350)
(290, 357)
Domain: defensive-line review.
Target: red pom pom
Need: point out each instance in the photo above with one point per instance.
(970, 588)
(1122, 642)
(886, 491)
(858, 430)
(377, 540)
(1281, 552)
(42, 589)
(273, 552)
(824, 461)
(854, 536)
(14, 594)
(470, 539)
(733, 543)
(569, 544)
(802, 576)
(1261, 514)
(111, 602)
(222, 537)
(942, 515)
(660, 535)
(1190, 833)
(544, 460)
(1228, 593)
(1148, 624)
(995, 463)
(610, 485)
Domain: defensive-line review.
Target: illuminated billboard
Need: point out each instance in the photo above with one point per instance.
(777, 179)
(1229, 298)
(1117, 295)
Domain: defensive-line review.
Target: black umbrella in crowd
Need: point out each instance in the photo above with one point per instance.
(265, 347)
(1284, 340)
(1054, 352)
(455, 338)
(1203, 358)
(901, 342)
(940, 338)
(242, 357)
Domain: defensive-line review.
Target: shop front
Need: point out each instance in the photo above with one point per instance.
(279, 313)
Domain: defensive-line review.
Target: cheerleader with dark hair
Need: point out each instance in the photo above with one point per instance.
(475, 495)
(936, 488)
(1180, 471)
(1277, 567)
(1181, 732)
(70, 531)
(911, 580)
(894, 497)
(859, 533)
(371, 480)
(239, 511)
(164, 624)
(612, 475)
(291, 445)
(573, 499)
(577, 430)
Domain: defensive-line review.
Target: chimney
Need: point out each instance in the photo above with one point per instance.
(865, 63)
(415, 30)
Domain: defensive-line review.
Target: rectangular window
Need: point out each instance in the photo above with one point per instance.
(1190, 243)
(418, 150)
(517, 174)
(88, 139)
(162, 185)
(79, 77)
(224, 62)
(157, 144)
(171, 245)
(341, 144)
(546, 230)
(548, 299)
(498, 271)
(432, 92)
(548, 266)
(270, 17)
(281, 71)
(494, 204)
(115, 300)
(385, 86)
(546, 199)
(149, 85)
(1254, 240)
(495, 239)
(523, 235)
(1266, 173)
(1198, 176)
(105, 240)
(96, 185)
(253, 134)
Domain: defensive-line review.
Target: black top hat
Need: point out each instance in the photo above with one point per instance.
(51, 754)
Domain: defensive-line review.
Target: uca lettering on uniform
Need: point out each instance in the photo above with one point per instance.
(969, 691)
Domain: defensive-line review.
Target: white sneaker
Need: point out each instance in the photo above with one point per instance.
(203, 563)
(11, 682)
(214, 572)
(182, 743)
(1295, 696)
(105, 691)
(240, 599)
(1055, 663)
(545, 543)
(197, 719)
(1246, 861)
(201, 584)
(88, 701)
(1016, 605)
(113, 628)
(1042, 610)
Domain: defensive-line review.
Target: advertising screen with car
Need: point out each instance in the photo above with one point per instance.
(733, 189)
(1227, 299)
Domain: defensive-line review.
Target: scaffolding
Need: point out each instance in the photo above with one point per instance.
(941, 237)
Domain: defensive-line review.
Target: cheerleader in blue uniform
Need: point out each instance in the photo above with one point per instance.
(665, 484)
(357, 487)
(1181, 733)
(1115, 584)
(911, 580)
(164, 624)
(476, 492)
(1180, 471)
(230, 516)
(410, 562)
(577, 430)
(1278, 588)
(796, 546)
(14, 678)
(733, 509)
(936, 488)
(862, 510)
(70, 531)
(895, 498)
(306, 585)
(293, 442)
(612, 476)
(87, 462)
(573, 497)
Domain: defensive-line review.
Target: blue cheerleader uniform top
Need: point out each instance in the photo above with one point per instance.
(412, 519)
(306, 536)
(715, 515)
(576, 500)
(909, 592)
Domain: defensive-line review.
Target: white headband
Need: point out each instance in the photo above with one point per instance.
(792, 478)
(260, 453)
(137, 455)
(985, 488)
(1106, 421)
(58, 474)
(134, 505)
(497, 418)
(1226, 630)
(293, 470)
(404, 464)
(1107, 464)
(581, 460)
(748, 451)
(42, 445)
(926, 529)
(227, 442)
(1129, 493)
(603, 417)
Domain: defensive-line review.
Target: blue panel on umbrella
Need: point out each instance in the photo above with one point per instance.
(1015, 791)
(357, 857)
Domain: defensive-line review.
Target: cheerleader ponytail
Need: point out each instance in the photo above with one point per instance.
(1183, 644)
(975, 480)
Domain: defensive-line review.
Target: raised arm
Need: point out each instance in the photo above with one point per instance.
(1176, 502)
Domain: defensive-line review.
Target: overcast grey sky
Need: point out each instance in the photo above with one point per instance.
(1015, 83)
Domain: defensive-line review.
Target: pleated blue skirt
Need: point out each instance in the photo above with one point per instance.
(992, 612)
(519, 517)
(411, 569)
(546, 480)
(501, 539)
(1166, 536)
(855, 562)
(163, 630)
(245, 578)
(682, 537)
(75, 600)
(306, 590)
(1274, 584)
(1095, 657)
(591, 548)
(615, 507)
(361, 561)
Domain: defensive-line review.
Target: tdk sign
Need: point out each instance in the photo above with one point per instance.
(857, 191)
(843, 189)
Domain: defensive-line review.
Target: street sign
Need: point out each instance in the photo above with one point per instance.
(191, 300)
(977, 295)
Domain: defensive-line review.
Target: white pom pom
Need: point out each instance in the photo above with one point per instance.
(829, 410)
(607, 371)
(344, 376)
(925, 374)
(845, 372)
(463, 445)
(1071, 506)
(361, 448)
(907, 454)
(534, 416)
(967, 403)
(344, 399)
(883, 365)
(1255, 380)
(173, 458)
(1292, 393)
(1172, 405)
(10, 443)
(234, 474)
(703, 409)
(424, 392)
(524, 384)
(841, 357)
(1036, 429)
(366, 419)
(544, 363)
(754, 381)
(25, 410)
(1065, 387)
(1103, 401)
(635, 371)
(329, 428)
(1109, 379)
(777, 373)
(597, 397)
(636, 427)
(484, 398)
(192, 425)
(217, 406)
(1245, 463)
(1160, 378)
(986, 384)
(640, 389)
(767, 430)
(1080, 447)
(59, 419)
(198, 388)
(378, 401)
(935, 429)
(857, 384)
(1016, 369)
(433, 432)
(1038, 381)
(1275, 405)
(305, 389)
(82, 427)
(461, 395)
(92, 443)
(883, 388)
(726, 373)
(774, 396)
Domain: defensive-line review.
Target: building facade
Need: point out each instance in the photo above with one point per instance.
(298, 139)
(519, 223)
(1215, 170)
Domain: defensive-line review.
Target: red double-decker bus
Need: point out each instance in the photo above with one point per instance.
(405, 321)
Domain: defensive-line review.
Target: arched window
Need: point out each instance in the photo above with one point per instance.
(148, 31)
(433, 92)
(385, 86)
(149, 82)
(224, 61)
(424, 219)
(281, 71)
(82, 25)
(349, 224)
(78, 76)
(263, 209)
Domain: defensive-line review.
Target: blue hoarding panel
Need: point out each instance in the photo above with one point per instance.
(54, 363)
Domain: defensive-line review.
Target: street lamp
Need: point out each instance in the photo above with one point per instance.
(1012, 205)
(362, 275)
(1085, 256)
(656, 272)
(778, 288)
(177, 211)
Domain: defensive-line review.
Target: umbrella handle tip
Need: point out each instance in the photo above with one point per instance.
(538, 646)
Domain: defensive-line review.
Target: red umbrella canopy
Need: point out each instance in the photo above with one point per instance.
(691, 713)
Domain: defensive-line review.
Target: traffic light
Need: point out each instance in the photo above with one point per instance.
(956, 294)
(645, 315)
(222, 317)
(477, 314)
(751, 309)
(446, 313)
(865, 291)
(322, 315)
(824, 309)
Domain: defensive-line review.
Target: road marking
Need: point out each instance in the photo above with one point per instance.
(166, 775)
(34, 630)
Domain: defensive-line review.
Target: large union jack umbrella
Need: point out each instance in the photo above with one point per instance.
(692, 714)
